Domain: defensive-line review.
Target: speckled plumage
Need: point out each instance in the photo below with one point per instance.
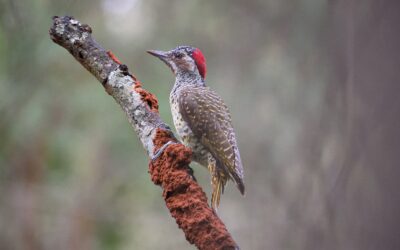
(203, 122)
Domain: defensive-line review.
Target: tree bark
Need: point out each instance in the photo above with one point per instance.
(184, 198)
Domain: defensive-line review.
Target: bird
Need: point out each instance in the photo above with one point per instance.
(202, 119)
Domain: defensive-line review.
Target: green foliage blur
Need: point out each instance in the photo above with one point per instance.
(300, 80)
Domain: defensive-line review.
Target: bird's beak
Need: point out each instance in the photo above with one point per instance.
(163, 55)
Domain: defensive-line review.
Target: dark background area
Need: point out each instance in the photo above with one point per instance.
(313, 88)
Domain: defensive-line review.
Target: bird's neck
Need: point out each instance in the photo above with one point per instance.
(187, 79)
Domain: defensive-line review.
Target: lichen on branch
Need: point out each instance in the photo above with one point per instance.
(183, 196)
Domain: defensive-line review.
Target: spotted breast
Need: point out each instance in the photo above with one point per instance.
(200, 154)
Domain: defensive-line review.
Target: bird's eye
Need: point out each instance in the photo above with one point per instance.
(179, 55)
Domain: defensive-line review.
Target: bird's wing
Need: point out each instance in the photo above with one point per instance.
(209, 119)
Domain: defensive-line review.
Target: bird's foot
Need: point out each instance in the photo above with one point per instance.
(161, 150)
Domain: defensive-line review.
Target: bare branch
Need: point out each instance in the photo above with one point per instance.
(184, 198)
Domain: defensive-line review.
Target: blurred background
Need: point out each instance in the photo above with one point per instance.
(313, 88)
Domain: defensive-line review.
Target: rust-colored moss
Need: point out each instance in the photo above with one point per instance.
(147, 97)
(113, 57)
(162, 137)
(184, 197)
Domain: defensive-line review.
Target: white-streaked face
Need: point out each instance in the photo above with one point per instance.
(181, 60)
(178, 59)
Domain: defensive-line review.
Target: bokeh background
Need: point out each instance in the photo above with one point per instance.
(313, 88)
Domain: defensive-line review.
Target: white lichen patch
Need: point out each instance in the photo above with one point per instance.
(74, 22)
(74, 38)
(138, 112)
(77, 37)
(85, 35)
(122, 88)
(117, 79)
(150, 134)
(60, 29)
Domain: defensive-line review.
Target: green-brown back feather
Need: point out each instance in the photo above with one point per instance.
(209, 119)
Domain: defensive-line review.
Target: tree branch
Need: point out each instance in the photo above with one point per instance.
(184, 198)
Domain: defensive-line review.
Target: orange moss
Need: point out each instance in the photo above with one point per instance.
(113, 57)
(184, 198)
(147, 97)
(162, 137)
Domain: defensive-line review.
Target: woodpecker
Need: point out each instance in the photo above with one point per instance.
(202, 120)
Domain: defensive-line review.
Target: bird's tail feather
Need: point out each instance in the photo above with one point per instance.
(239, 183)
(218, 185)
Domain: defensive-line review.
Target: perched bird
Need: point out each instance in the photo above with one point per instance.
(202, 119)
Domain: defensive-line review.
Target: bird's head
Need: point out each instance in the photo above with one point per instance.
(183, 60)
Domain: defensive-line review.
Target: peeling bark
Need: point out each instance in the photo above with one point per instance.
(184, 198)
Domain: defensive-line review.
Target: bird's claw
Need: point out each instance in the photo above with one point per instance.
(161, 150)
